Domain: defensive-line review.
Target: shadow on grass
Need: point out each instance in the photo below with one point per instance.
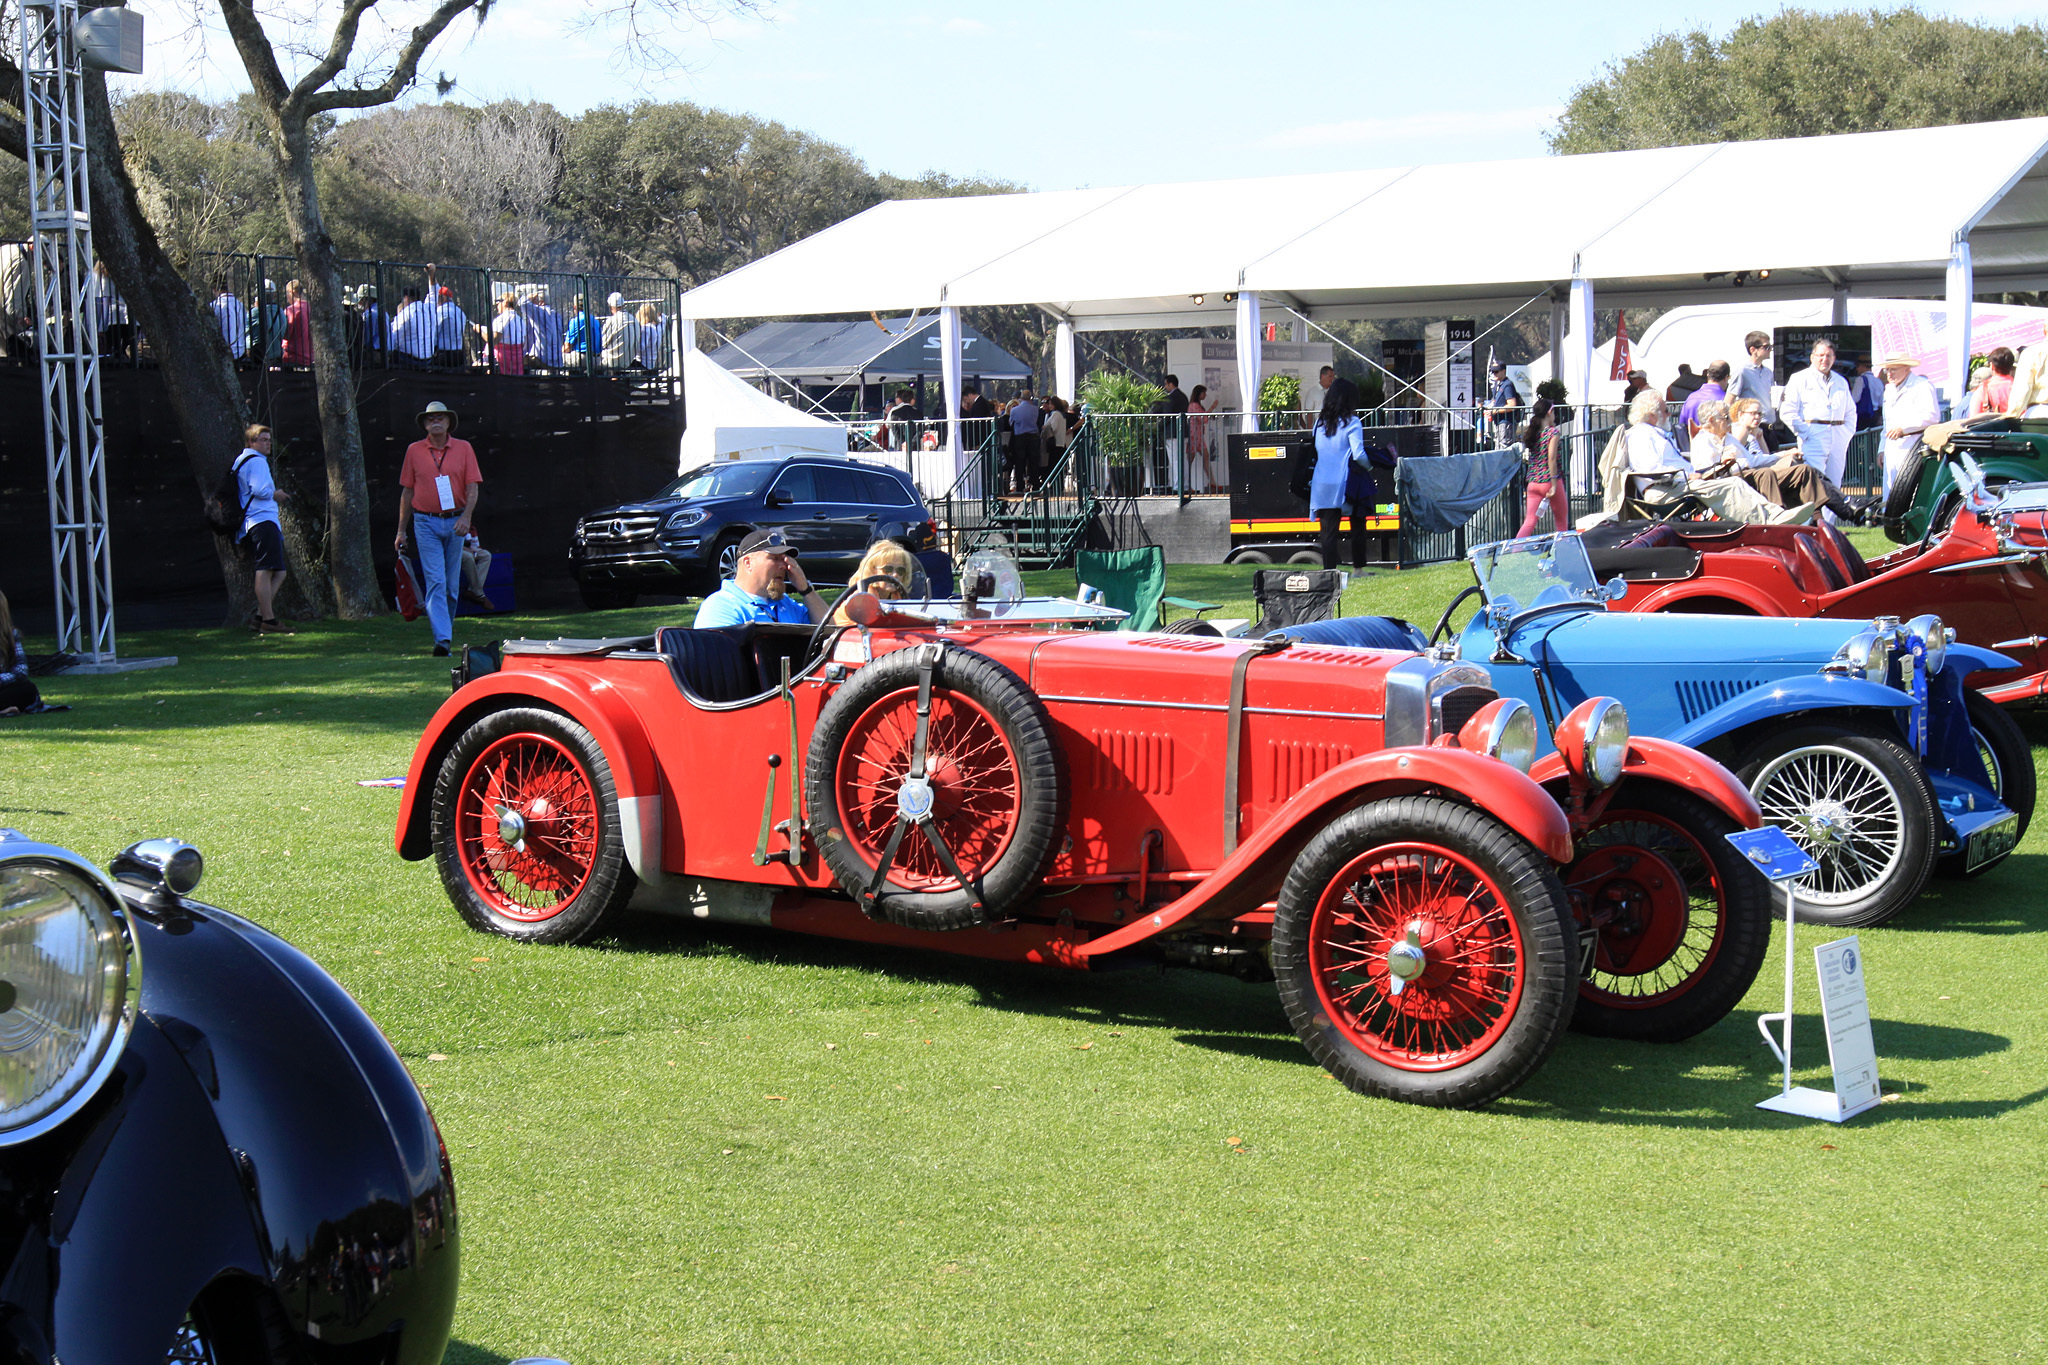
(469, 1353)
(1996, 903)
(1716, 1079)
(1202, 1004)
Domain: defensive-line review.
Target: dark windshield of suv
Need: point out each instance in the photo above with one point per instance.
(721, 481)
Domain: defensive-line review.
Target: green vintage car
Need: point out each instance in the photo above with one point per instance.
(1924, 495)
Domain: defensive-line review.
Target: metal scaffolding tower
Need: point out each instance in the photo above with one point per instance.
(67, 332)
(58, 40)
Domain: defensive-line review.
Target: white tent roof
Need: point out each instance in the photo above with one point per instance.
(1643, 225)
(726, 418)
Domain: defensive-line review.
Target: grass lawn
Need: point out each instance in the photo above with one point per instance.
(696, 1144)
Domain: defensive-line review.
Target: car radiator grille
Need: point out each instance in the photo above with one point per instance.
(1460, 704)
(616, 530)
(1695, 699)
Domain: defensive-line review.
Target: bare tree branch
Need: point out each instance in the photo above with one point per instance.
(402, 71)
(253, 44)
(339, 50)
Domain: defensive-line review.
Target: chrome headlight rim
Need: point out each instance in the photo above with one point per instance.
(85, 1077)
(1867, 654)
(684, 518)
(1607, 742)
(1934, 638)
(1504, 729)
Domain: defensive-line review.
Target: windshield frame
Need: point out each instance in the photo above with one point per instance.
(1576, 586)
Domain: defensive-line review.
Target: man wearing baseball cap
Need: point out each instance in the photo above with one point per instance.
(768, 586)
(1502, 405)
(1910, 407)
(437, 492)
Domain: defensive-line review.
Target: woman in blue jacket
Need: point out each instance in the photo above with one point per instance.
(1340, 442)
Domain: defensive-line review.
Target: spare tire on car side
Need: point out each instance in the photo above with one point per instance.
(972, 842)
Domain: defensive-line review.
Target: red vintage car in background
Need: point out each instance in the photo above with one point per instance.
(1002, 780)
(1982, 574)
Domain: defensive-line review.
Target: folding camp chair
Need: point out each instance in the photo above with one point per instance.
(1291, 597)
(1134, 581)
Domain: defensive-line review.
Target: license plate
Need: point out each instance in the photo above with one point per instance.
(1993, 841)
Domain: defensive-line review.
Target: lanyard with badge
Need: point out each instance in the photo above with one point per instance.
(443, 488)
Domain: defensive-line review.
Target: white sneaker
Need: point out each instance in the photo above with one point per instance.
(1796, 516)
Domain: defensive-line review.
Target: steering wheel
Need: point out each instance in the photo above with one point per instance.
(1444, 622)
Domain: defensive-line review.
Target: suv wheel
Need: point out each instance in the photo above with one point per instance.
(726, 557)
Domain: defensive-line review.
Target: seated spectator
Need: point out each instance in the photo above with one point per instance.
(298, 326)
(476, 572)
(621, 339)
(508, 336)
(17, 690)
(1996, 390)
(545, 349)
(1653, 458)
(412, 332)
(585, 337)
(650, 337)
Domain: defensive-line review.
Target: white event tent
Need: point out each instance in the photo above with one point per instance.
(1949, 211)
(727, 418)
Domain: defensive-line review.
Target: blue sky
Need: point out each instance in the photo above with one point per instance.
(1067, 93)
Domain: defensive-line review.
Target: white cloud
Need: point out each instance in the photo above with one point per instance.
(1408, 127)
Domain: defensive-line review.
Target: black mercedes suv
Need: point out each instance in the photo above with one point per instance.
(686, 538)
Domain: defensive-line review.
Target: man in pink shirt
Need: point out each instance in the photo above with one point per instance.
(437, 491)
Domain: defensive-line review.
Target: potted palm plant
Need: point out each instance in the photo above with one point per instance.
(1116, 403)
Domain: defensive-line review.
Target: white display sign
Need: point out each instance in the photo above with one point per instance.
(1852, 1052)
(1213, 363)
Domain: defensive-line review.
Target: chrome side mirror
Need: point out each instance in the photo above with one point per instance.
(1498, 615)
(1614, 589)
(159, 865)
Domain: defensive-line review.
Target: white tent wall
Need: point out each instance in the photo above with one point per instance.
(728, 419)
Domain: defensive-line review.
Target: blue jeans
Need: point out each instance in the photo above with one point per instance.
(440, 551)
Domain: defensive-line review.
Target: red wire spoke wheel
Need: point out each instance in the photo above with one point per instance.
(1678, 922)
(1456, 910)
(976, 790)
(998, 788)
(526, 828)
(1452, 921)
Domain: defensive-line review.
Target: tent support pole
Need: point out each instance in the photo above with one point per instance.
(949, 360)
(1558, 303)
(1962, 289)
(1579, 354)
(1063, 382)
(1838, 313)
(1248, 357)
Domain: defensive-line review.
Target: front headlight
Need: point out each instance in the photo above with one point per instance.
(1869, 653)
(1935, 636)
(70, 983)
(689, 516)
(1593, 741)
(1503, 729)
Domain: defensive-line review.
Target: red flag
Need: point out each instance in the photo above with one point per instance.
(1272, 331)
(1624, 359)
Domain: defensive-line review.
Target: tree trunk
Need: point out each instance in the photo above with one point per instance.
(350, 567)
(198, 371)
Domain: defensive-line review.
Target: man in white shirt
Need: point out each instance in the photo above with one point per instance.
(1755, 380)
(1821, 413)
(1910, 407)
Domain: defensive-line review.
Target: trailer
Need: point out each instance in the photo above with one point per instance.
(1269, 524)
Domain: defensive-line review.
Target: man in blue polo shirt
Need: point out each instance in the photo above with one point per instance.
(768, 586)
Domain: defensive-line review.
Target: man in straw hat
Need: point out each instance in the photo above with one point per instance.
(437, 491)
(1910, 407)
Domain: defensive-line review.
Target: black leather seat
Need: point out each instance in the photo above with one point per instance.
(714, 665)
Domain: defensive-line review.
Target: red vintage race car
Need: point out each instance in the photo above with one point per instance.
(1981, 574)
(1004, 781)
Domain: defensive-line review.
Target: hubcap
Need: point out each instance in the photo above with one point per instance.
(1406, 960)
(1827, 824)
(511, 828)
(914, 798)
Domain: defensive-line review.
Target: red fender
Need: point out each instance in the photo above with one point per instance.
(598, 709)
(1730, 589)
(1246, 878)
(1663, 761)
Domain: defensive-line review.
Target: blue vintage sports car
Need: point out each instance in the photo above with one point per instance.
(1859, 738)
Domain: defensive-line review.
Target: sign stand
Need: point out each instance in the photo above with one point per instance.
(1852, 1053)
